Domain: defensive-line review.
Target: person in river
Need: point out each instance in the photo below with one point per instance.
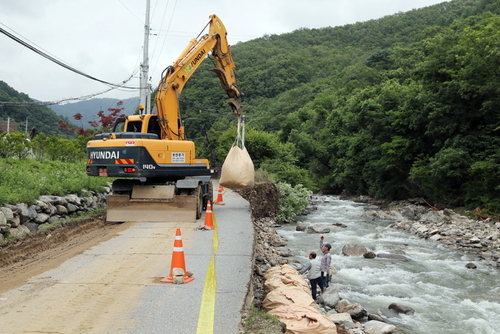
(314, 274)
(326, 260)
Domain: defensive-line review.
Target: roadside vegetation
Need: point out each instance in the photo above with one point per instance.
(43, 166)
(257, 321)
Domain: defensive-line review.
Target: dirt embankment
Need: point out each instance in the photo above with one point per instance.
(264, 200)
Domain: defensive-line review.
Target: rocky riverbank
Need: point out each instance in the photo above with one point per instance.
(21, 218)
(453, 230)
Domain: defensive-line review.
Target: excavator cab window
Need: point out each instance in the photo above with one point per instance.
(134, 126)
(153, 126)
(119, 124)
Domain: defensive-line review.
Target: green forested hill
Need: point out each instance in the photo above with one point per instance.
(407, 105)
(20, 108)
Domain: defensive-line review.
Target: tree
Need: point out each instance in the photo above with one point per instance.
(106, 121)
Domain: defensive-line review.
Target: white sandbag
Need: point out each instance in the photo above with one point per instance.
(287, 295)
(279, 271)
(301, 319)
(276, 277)
(237, 171)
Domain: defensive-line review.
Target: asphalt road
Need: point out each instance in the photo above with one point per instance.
(177, 308)
(115, 286)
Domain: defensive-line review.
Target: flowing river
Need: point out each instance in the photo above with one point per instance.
(446, 296)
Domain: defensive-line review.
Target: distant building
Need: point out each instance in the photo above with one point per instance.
(13, 126)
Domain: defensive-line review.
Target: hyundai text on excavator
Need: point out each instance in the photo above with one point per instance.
(159, 176)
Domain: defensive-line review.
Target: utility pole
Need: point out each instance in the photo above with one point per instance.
(145, 97)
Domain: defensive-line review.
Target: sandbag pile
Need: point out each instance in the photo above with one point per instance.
(289, 298)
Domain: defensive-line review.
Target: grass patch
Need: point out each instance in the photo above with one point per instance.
(257, 321)
(24, 181)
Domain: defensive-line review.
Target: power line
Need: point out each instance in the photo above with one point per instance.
(81, 98)
(60, 63)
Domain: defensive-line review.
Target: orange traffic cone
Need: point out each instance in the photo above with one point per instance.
(220, 200)
(177, 262)
(208, 216)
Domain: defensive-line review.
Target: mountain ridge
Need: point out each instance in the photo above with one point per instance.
(89, 109)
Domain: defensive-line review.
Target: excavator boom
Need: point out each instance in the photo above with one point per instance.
(176, 76)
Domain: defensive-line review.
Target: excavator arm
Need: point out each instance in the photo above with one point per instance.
(175, 77)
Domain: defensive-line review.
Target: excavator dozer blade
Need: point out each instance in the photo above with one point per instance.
(181, 208)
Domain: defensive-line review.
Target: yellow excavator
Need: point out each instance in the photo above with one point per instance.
(159, 177)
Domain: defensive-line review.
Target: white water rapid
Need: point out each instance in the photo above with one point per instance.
(446, 296)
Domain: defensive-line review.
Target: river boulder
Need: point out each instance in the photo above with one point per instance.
(342, 319)
(18, 231)
(398, 308)
(377, 327)
(354, 309)
(41, 218)
(354, 250)
(32, 227)
(14, 222)
(32, 212)
(369, 255)
(300, 228)
(284, 251)
(330, 297)
(73, 199)
(409, 212)
(316, 228)
(61, 209)
(72, 208)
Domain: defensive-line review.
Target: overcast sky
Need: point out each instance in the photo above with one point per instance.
(104, 38)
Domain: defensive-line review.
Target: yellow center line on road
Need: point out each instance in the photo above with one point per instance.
(207, 308)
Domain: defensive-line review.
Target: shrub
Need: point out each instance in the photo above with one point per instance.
(14, 145)
(293, 201)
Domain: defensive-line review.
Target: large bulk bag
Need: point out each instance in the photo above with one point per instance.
(237, 171)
